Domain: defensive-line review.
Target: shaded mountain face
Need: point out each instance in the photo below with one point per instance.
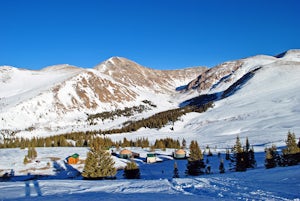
(221, 77)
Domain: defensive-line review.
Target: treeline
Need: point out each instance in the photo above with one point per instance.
(127, 112)
(82, 139)
(159, 120)
(79, 140)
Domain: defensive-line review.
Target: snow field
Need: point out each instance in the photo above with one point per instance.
(281, 183)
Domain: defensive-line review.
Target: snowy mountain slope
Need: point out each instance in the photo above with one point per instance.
(59, 97)
(17, 85)
(221, 77)
(264, 108)
(265, 105)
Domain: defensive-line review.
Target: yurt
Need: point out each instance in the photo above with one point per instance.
(179, 153)
(125, 153)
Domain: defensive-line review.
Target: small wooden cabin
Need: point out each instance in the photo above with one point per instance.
(151, 158)
(73, 159)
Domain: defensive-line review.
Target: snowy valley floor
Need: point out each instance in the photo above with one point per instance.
(260, 184)
(281, 183)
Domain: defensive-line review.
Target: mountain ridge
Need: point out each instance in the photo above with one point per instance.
(58, 98)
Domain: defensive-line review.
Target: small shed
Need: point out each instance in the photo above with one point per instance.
(125, 153)
(73, 159)
(151, 158)
(179, 153)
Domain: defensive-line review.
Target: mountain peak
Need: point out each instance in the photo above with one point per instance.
(291, 55)
(115, 64)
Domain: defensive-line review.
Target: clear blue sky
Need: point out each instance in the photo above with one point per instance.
(161, 34)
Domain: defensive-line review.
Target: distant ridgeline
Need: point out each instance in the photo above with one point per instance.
(157, 121)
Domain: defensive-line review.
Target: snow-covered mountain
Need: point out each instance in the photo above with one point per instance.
(256, 97)
(59, 97)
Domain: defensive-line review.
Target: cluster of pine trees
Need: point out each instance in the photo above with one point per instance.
(241, 157)
(159, 120)
(31, 154)
(290, 155)
(166, 143)
(120, 112)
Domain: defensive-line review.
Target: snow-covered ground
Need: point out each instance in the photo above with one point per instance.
(281, 183)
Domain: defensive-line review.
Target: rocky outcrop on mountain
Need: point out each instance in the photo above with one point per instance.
(210, 77)
(130, 73)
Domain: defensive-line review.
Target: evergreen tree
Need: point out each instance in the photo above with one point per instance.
(251, 158)
(221, 167)
(291, 145)
(209, 153)
(25, 161)
(227, 157)
(291, 154)
(249, 155)
(195, 151)
(131, 171)
(31, 153)
(270, 161)
(175, 171)
(238, 162)
(184, 143)
(98, 164)
(48, 142)
(195, 164)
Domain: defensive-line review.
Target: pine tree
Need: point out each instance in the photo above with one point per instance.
(238, 159)
(291, 154)
(209, 153)
(31, 153)
(131, 171)
(251, 158)
(25, 161)
(175, 171)
(184, 143)
(195, 164)
(291, 145)
(221, 167)
(249, 155)
(227, 157)
(98, 164)
(195, 151)
(270, 160)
